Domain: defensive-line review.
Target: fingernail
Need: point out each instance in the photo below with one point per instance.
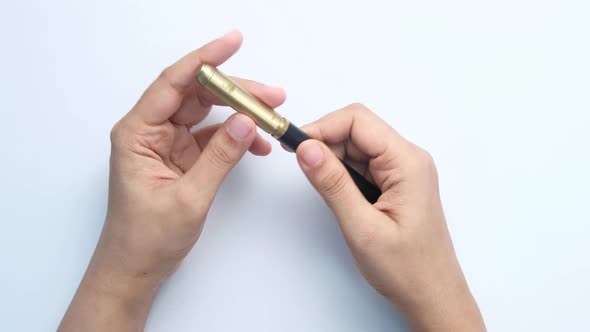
(230, 32)
(312, 154)
(278, 89)
(239, 127)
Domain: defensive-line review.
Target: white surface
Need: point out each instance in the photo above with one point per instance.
(498, 91)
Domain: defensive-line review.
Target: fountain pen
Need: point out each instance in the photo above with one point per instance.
(268, 120)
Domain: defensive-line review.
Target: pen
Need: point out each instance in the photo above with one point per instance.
(268, 120)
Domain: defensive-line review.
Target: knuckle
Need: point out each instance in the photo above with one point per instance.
(170, 78)
(427, 162)
(218, 156)
(425, 158)
(155, 137)
(358, 107)
(359, 111)
(165, 74)
(422, 161)
(117, 133)
(333, 185)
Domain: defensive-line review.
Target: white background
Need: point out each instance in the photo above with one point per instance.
(497, 91)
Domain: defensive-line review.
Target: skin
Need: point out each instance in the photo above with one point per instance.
(164, 178)
(401, 243)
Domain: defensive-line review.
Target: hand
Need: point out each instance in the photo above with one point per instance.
(401, 243)
(163, 180)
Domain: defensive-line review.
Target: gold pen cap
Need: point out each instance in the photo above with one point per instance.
(242, 101)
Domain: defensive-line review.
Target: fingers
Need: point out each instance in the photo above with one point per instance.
(195, 107)
(259, 147)
(165, 96)
(271, 95)
(220, 155)
(369, 133)
(329, 177)
(362, 136)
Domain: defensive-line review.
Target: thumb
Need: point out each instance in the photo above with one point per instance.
(329, 177)
(227, 146)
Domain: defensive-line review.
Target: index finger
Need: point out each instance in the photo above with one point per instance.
(165, 96)
(356, 123)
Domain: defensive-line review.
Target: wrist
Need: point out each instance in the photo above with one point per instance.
(110, 299)
(108, 277)
(447, 310)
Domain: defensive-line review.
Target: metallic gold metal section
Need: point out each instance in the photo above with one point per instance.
(242, 101)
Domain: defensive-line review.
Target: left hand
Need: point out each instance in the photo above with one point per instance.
(163, 180)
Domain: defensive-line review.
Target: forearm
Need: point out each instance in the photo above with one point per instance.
(452, 309)
(109, 300)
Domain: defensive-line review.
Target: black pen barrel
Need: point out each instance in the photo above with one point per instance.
(295, 136)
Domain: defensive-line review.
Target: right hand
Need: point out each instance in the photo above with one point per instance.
(401, 243)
